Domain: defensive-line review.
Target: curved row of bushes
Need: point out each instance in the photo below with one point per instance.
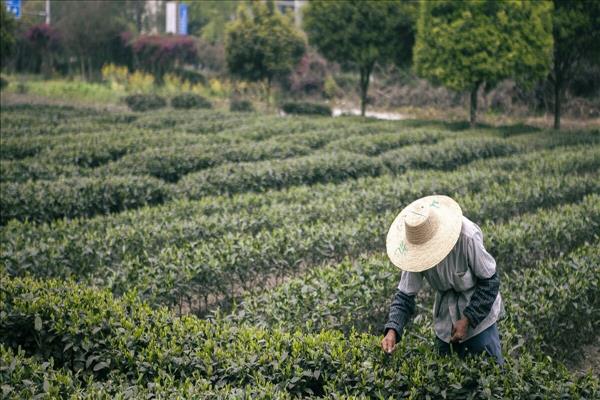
(181, 222)
(356, 294)
(40, 201)
(149, 102)
(172, 266)
(106, 346)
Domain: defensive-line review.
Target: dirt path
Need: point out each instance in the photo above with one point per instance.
(590, 360)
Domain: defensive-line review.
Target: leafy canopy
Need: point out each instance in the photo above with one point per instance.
(358, 33)
(465, 44)
(262, 43)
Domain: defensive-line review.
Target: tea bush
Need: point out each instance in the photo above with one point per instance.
(190, 100)
(41, 201)
(356, 295)
(241, 106)
(145, 102)
(306, 108)
(130, 343)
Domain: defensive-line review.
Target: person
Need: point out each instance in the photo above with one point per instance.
(431, 240)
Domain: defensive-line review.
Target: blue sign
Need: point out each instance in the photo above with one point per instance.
(14, 6)
(182, 24)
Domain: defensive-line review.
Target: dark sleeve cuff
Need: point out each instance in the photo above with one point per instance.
(391, 325)
(482, 301)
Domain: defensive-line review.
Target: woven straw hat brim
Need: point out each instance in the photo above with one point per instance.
(445, 213)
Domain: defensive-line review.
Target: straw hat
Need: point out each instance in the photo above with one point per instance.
(424, 233)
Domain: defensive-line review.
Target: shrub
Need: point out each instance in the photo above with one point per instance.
(159, 54)
(145, 102)
(78, 197)
(191, 76)
(122, 345)
(190, 100)
(3, 83)
(241, 106)
(306, 108)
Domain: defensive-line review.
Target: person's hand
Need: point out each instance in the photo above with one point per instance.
(388, 343)
(459, 330)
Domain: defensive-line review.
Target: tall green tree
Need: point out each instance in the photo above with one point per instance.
(466, 44)
(7, 34)
(262, 44)
(208, 18)
(576, 30)
(358, 34)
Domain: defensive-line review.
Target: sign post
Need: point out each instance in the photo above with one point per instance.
(182, 26)
(14, 7)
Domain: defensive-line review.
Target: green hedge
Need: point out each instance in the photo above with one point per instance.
(41, 201)
(356, 294)
(177, 264)
(145, 102)
(306, 108)
(190, 100)
(110, 342)
(241, 106)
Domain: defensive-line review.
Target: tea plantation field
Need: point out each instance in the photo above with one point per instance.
(211, 254)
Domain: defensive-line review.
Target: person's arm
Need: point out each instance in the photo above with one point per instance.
(487, 287)
(401, 309)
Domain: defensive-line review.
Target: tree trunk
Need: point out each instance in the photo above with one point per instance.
(365, 75)
(269, 93)
(558, 84)
(473, 110)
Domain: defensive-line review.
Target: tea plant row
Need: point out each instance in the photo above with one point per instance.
(36, 200)
(117, 347)
(355, 294)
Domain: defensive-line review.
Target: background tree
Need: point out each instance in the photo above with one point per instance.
(467, 44)
(358, 34)
(91, 31)
(208, 18)
(262, 44)
(576, 31)
(45, 41)
(7, 34)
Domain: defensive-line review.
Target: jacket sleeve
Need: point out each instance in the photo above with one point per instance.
(401, 311)
(488, 284)
(482, 300)
(403, 304)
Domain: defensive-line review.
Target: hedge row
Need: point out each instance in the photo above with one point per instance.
(356, 294)
(171, 270)
(41, 201)
(336, 167)
(171, 163)
(108, 344)
(181, 222)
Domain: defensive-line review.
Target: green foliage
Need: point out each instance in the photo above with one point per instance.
(208, 18)
(78, 197)
(130, 344)
(356, 294)
(576, 32)
(7, 33)
(359, 34)
(145, 102)
(464, 45)
(306, 108)
(3, 83)
(262, 44)
(190, 100)
(241, 106)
